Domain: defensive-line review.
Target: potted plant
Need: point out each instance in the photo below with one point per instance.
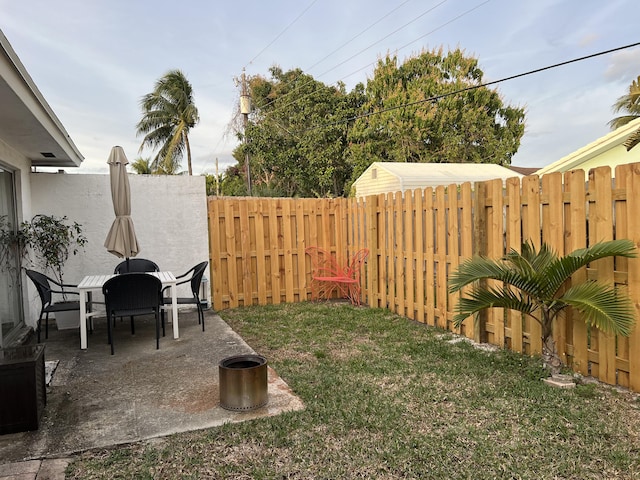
(51, 240)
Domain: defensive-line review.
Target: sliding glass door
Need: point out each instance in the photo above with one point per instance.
(11, 314)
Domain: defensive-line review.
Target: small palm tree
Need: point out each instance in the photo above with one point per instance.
(533, 283)
(169, 113)
(629, 103)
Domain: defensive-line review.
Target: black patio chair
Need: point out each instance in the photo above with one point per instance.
(131, 295)
(136, 265)
(194, 276)
(45, 291)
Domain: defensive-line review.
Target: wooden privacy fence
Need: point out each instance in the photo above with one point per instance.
(417, 239)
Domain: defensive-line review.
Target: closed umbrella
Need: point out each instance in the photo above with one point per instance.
(121, 239)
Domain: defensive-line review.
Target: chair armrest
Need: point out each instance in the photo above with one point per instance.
(65, 292)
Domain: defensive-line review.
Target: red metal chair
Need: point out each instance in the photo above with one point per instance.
(328, 276)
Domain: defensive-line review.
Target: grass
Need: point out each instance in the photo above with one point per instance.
(389, 398)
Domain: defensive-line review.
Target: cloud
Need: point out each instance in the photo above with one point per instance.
(624, 66)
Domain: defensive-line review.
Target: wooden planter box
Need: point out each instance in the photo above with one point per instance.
(23, 394)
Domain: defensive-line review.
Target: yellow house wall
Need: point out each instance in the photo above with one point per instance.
(613, 157)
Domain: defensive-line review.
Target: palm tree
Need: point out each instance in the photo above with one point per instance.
(629, 103)
(142, 166)
(169, 113)
(534, 283)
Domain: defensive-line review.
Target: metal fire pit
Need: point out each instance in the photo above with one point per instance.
(243, 382)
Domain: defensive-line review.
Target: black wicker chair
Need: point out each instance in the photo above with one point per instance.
(136, 265)
(131, 295)
(194, 276)
(44, 286)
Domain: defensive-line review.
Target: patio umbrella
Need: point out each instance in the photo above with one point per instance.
(121, 239)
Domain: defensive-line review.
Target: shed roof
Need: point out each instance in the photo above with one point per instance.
(434, 174)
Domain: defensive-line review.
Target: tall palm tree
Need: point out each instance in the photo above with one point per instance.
(629, 103)
(169, 113)
(533, 283)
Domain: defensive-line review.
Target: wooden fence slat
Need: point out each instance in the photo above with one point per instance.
(622, 264)
(553, 235)
(531, 232)
(495, 250)
(466, 240)
(274, 238)
(453, 248)
(408, 255)
(373, 262)
(261, 256)
(632, 186)
(429, 245)
(441, 256)
(577, 238)
(514, 242)
(420, 297)
(603, 221)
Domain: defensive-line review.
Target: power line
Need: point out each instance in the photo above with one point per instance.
(282, 32)
(387, 36)
(358, 35)
(372, 63)
(473, 87)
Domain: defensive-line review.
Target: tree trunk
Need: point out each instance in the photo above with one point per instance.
(186, 141)
(550, 357)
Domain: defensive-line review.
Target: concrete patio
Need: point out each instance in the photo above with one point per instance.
(97, 400)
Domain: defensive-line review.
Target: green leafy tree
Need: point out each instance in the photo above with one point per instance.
(142, 166)
(52, 239)
(629, 103)
(169, 113)
(291, 155)
(232, 183)
(431, 108)
(534, 283)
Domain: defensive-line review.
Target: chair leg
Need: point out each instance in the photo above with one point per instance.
(46, 326)
(38, 326)
(110, 332)
(133, 327)
(200, 314)
(157, 331)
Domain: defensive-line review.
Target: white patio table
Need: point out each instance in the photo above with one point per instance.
(95, 282)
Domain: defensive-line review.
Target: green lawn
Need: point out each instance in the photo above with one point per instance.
(389, 398)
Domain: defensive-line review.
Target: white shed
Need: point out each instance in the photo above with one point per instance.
(384, 177)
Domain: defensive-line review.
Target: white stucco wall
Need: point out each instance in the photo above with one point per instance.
(169, 214)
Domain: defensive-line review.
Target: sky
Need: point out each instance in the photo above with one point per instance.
(94, 60)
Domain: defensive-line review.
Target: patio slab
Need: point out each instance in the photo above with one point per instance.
(98, 400)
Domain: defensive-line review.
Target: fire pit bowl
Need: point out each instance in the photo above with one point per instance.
(243, 382)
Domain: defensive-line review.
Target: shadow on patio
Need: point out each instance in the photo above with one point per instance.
(98, 400)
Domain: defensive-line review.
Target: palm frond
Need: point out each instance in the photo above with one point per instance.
(602, 306)
(633, 140)
(480, 299)
(562, 268)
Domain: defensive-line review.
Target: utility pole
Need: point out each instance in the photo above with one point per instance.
(217, 180)
(245, 108)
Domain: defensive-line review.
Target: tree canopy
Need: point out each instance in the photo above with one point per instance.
(288, 156)
(433, 109)
(305, 138)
